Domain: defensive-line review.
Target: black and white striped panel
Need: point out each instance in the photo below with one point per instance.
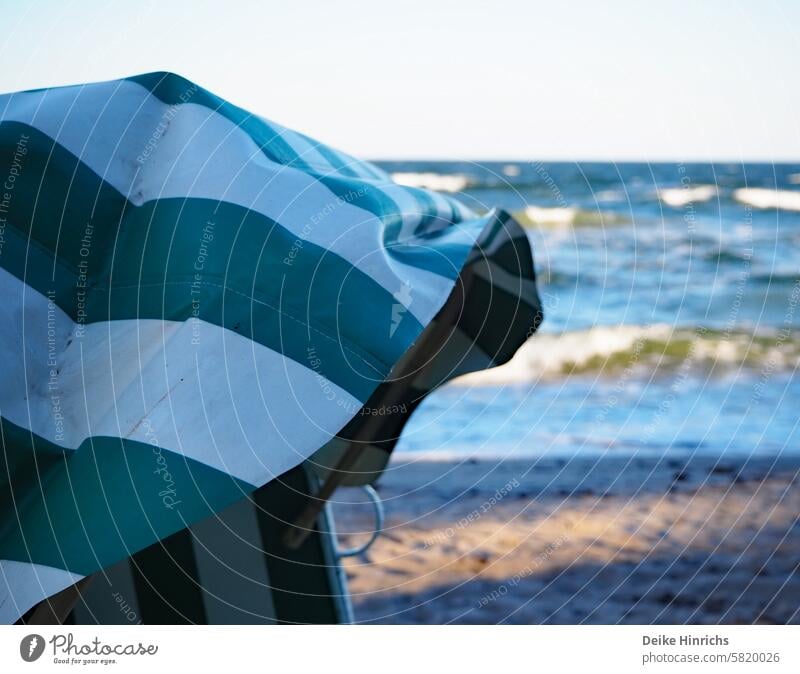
(228, 569)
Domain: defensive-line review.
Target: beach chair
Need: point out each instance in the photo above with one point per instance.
(454, 289)
(273, 558)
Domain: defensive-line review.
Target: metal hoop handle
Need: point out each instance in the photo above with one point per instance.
(377, 506)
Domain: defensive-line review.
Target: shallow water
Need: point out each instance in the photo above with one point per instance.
(672, 325)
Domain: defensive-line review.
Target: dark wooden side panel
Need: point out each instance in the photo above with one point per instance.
(302, 587)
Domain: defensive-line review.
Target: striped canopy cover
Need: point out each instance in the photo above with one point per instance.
(194, 301)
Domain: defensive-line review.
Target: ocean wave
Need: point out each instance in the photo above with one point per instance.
(565, 216)
(725, 255)
(553, 277)
(682, 196)
(440, 182)
(609, 196)
(761, 197)
(775, 277)
(608, 350)
(559, 215)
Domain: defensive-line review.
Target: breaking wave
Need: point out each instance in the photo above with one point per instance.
(440, 182)
(614, 349)
(682, 196)
(565, 216)
(760, 197)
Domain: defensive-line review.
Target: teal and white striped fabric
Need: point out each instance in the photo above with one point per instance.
(195, 300)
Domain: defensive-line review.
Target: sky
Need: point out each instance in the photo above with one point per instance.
(524, 80)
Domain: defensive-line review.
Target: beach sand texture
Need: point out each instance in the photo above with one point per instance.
(615, 540)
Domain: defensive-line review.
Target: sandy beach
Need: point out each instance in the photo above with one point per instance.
(618, 540)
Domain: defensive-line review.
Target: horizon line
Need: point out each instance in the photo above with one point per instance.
(584, 161)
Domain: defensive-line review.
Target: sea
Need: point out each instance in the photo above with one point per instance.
(672, 325)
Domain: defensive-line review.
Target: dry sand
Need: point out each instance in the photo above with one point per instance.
(582, 541)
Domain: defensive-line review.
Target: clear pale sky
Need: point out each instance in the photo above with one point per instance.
(461, 80)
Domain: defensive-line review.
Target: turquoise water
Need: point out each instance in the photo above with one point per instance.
(672, 324)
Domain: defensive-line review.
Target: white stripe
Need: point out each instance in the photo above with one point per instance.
(23, 585)
(193, 388)
(202, 154)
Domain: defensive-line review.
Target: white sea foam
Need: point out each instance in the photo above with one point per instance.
(566, 217)
(560, 215)
(511, 170)
(760, 197)
(648, 347)
(548, 354)
(609, 196)
(453, 182)
(681, 196)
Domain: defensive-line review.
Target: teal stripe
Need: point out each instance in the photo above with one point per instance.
(431, 221)
(256, 278)
(87, 509)
(55, 196)
(370, 199)
(448, 245)
(170, 89)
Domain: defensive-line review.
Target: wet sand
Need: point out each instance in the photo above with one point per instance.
(637, 541)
